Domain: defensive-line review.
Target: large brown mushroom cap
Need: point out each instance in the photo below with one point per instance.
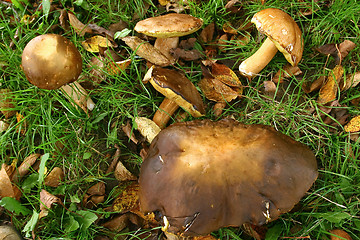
(50, 61)
(204, 175)
(169, 25)
(283, 31)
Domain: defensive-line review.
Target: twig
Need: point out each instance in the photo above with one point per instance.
(337, 204)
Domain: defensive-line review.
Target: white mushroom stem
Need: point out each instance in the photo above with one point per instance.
(166, 109)
(75, 92)
(254, 64)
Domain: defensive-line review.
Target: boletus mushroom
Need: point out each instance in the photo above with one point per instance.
(203, 175)
(282, 33)
(51, 61)
(178, 90)
(167, 29)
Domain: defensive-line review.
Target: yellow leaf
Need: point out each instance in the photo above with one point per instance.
(353, 125)
(94, 43)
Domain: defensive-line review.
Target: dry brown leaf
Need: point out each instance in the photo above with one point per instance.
(241, 39)
(352, 80)
(3, 126)
(207, 34)
(186, 55)
(128, 130)
(8, 232)
(329, 91)
(7, 103)
(222, 41)
(147, 128)
(316, 85)
(78, 95)
(164, 2)
(165, 45)
(353, 125)
(55, 177)
(97, 189)
(63, 19)
(338, 234)
(94, 43)
(128, 199)
(21, 123)
(257, 232)
(146, 51)
(122, 174)
(217, 91)
(97, 65)
(207, 237)
(287, 72)
(46, 199)
(115, 68)
(25, 166)
(218, 108)
(270, 88)
(117, 223)
(345, 47)
(6, 187)
(224, 74)
(338, 51)
(78, 26)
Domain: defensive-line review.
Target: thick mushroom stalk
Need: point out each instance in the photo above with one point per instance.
(258, 61)
(203, 175)
(51, 61)
(166, 109)
(282, 33)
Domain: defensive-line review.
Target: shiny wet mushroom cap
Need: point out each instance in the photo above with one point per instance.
(203, 175)
(169, 25)
(50, 61)
(282, 33)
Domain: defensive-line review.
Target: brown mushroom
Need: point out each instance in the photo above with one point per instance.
(203, 175)
(282, 33)
(167, 29)
(51, 61)
(178, 90)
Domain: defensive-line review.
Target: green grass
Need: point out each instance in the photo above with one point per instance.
(49, 118)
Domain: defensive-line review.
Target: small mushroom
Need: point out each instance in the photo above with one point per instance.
(178, 90)
(203, 175)
(167, 29)
(282, 33)
(51, 61)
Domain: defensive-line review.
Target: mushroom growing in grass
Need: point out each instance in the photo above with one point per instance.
(282, 33)
(51, 61)
(203, 175)
(178, 91)
(167, 29)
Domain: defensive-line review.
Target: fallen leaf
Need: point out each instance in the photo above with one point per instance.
(270, 88)
(207, 34)
(353, 125)
(78, 95)
(54, 178)
(3, 126)
(165, 45)
(352, 80)
(6, 187)
(164, 2)
(207, 237)
(257, 232)
(122, 174)
(77, 25)
(128, 130)
(287, 72)
(222, 42)
(345, 47)
(25, 166)
(146, 51)
(147, 128)
(115, 68)
(329, 91)
(117, 223)
(217, 91)
(21, 123)
(316, 85)
(338, 234)
(7, 103)
(186, 55)
(97, 189)
(94, 43)
(338, 51)
(224, 74)
(218, 108)
(128, 199)
(46, 199)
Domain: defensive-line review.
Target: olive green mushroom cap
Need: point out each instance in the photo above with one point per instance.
(50, 61)
(283, 31)
(169, 25)
(203, 175)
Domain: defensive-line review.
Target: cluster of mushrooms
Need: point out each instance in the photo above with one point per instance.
(202, 175)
